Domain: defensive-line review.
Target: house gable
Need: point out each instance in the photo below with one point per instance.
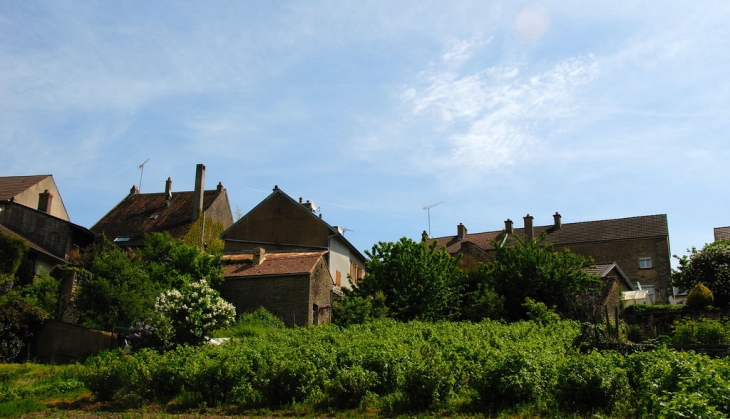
(28, 191)
(278, 222)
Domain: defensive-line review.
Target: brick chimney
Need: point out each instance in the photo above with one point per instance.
(199, 191)
(219, 188)
(558, 221)
(45, 199)
(529, 232)
(508, 226)
(134, 190)
(168, 188)
(259, 255)
(460, 231)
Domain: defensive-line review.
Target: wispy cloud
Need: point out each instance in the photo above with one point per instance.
(493, 117)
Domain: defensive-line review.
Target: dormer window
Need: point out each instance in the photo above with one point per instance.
(154, 216)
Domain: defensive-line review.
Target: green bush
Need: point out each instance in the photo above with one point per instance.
(703, 331)
(486, 368)
(700, 297)
(592, 382)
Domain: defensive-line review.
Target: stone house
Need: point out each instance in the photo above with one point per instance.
(722, 233)
(175, 212)
(280, 223)
(639, 245)
(294, 286)
(31, 209)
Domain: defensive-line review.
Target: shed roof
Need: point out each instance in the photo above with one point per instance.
(274, 264)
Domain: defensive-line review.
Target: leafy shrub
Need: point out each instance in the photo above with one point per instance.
(644, 308)
(704, 331)
(592, 382)
(700, 297)
(191, 314)
(539, 312)
(252, 324)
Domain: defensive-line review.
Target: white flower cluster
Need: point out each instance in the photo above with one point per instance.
(195, 310)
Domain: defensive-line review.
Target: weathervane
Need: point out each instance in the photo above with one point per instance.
(428, 209)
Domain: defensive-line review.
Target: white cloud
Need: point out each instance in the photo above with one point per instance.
(487, 119)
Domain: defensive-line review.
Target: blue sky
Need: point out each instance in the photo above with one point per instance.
(375, 109)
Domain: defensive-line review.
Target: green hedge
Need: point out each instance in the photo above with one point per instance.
(393, 367)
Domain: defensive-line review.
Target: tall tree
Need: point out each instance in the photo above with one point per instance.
(530, 269)
(418, 280)
(709, 266)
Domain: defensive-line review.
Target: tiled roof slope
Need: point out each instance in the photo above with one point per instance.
(138, 214)
(11, 186)
(274, 264)
(722, 233)
(571, 233)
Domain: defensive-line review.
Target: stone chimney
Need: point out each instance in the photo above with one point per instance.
(259, 255)
(529, 232)
(199, 191)
(134, 190)
(219, 188)
(45, 199)
(461, 231)
(508, 226)
(558, 221)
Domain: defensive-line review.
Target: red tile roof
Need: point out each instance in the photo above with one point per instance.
(274, 264)
(572, 233)
(11, 186)
(138, 214)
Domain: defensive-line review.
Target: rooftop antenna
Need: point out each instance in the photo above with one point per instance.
(141, 168)
(428, 209)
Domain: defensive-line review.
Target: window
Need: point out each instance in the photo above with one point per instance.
(338, 278)
(645, 263)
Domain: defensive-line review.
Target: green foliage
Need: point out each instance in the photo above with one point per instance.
(354, 309)
(479, 300)
(117, 290)
(42, 292)
(12, 252)
(709, 266)
(189, 316)
(539, 312)
(700, 297)
(170, 262)
(121, 287)
(258, 322)
(211, 242)
(419, 281)
(645, 308)
(704, 331)
(596, 381)
(19, 321)
(530, 269)
(24, 388)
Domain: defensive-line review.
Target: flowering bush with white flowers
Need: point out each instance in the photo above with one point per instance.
(189, 315)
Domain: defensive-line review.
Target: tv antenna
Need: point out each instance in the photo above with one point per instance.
(141, 172)
(428, 209)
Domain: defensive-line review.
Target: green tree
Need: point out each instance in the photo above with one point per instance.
(531, 269)
(209, 241)
(418, 280)
(170, 262)
(117, 291)
(12, 252)
(709, 266)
